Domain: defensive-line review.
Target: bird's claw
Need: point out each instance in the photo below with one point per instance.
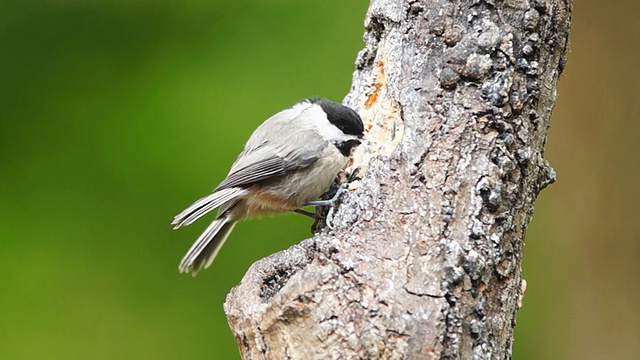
(325, 207)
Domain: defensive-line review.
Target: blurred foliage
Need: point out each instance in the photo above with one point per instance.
(115, 115)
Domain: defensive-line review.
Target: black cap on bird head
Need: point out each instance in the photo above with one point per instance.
(344, 118)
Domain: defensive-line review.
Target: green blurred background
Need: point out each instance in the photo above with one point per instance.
(115, 115)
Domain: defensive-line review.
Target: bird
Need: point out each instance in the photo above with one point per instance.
(288, 162)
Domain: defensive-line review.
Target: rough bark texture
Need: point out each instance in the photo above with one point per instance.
(424, 259)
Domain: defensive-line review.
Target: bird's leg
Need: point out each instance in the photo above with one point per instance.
(331, 196)
(314, 216)
(325, 206)
(317, 216)
(315, 227)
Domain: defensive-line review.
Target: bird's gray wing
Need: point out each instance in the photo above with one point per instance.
(268, 161)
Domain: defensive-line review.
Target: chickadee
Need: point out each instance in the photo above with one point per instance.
(289, 161)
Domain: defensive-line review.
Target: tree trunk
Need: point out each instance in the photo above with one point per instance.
(424, 258)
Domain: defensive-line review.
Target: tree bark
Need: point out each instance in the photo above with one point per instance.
(424, 258)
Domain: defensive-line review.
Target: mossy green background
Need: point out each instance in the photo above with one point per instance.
(115, 115)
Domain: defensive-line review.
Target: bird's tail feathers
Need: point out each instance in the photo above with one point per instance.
(204, 250)
(204, 205)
